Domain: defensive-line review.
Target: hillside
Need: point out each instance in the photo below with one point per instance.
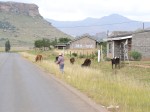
(93, 26)
(22, 24)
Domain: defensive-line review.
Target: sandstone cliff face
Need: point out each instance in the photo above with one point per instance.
(20, 8)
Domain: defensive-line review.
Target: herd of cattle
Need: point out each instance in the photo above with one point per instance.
(86, 63)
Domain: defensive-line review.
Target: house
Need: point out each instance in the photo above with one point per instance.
(121, 45)
(84, 42)
(116, 46)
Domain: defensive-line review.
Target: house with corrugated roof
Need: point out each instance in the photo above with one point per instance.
(84, 42)
(121, 45)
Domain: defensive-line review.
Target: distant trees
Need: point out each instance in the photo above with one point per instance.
(54, 42)
(7, 46)
(42, 43)
(64, 40)
(46, 43)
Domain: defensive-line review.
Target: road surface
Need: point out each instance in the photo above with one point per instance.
(26, 88)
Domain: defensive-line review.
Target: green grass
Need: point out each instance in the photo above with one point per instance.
(128, 87)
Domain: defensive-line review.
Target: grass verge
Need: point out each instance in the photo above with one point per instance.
(127, 88)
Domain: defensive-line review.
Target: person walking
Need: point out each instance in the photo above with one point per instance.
(60, 61)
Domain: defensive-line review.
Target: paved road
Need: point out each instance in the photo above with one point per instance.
(25, 88)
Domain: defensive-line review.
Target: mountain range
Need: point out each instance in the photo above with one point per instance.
(97, 26)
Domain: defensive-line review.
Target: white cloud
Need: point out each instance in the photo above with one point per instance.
(80, 9)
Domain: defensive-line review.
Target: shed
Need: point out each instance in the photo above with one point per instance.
(62, 45)
(121, 45)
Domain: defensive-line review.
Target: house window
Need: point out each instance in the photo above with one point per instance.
(110, 48)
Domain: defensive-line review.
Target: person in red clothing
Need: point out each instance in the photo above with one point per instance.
(60, 61)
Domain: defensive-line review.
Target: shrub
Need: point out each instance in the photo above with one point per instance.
(136, 55)
(74, 54)
(82, 56)
(92, 56)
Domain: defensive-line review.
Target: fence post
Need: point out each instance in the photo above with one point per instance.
(99, 55)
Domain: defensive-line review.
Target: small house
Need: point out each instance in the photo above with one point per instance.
(121, 45)
(84, 42)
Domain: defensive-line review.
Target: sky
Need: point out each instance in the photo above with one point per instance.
(74, 10)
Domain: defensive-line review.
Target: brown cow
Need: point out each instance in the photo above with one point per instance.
(38, 58)
(72, 60)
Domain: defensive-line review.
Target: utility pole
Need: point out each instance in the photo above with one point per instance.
(107, 33)
(143, 26)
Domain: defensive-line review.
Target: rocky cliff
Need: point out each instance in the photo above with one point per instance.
(22, 24)
(19, 8)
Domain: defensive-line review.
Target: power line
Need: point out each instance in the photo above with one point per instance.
(101, 24)
(85, 25)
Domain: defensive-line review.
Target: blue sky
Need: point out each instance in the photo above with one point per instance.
(72, 10)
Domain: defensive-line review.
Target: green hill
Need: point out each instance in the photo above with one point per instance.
(23, 30)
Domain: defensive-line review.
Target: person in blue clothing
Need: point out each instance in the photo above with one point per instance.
(60, 61)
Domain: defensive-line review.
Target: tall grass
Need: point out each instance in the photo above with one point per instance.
(121, 88)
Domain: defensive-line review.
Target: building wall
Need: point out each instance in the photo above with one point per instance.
(141, 43)
(110, 49)
(83, 43)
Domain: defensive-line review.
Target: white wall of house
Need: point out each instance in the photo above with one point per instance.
(83, 43)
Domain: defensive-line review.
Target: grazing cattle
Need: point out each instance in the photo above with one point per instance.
(72, 60)
(86, 63)
(56, 58)
(38, 58)
(116, 62)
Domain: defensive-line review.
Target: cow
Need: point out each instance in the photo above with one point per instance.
(87, 62)
(38, 58)
(72, 60)
(56, 58)
(115, 61)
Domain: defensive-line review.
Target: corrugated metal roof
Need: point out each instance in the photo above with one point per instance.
(119, 38)
(83, 37)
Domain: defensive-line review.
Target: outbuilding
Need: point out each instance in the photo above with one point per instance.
(122, 45)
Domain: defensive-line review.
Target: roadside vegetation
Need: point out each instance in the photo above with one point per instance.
(127, 88)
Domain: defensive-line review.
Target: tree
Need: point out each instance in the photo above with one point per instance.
(38, 43)
(64, 40)
(7, 46)
(42, 43)
(53, 42)
(46, 43)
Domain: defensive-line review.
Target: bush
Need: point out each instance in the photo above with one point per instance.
(74, 54)
(82, 56)
(92, 56)
(136, 55)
